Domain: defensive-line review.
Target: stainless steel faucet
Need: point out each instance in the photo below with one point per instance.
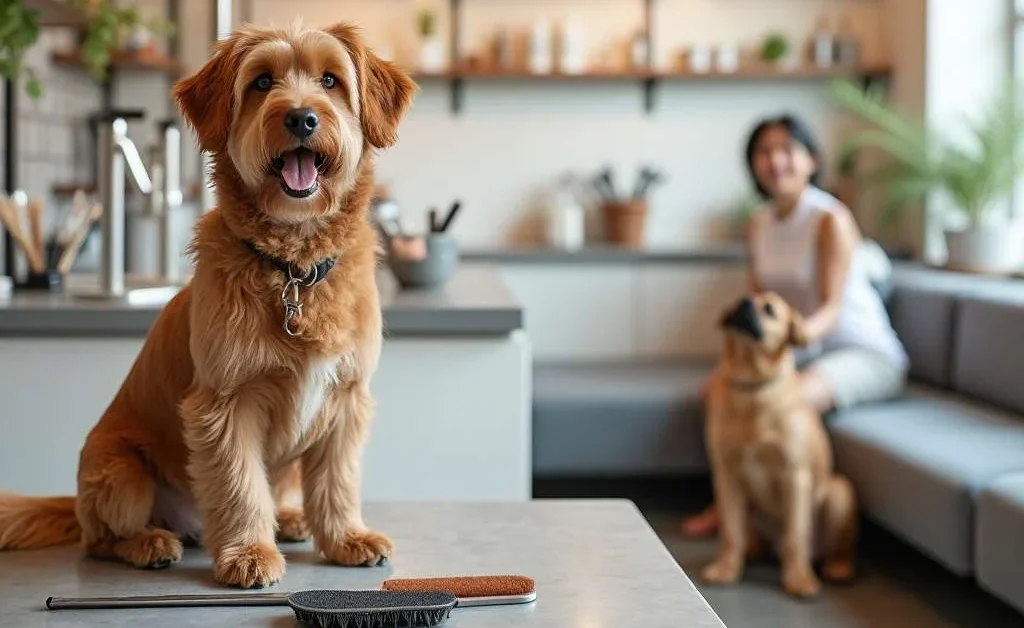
(115, 151)
(170, 198)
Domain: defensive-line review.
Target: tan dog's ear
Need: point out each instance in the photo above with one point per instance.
(797, 329)
(385, 90)
(206, 98)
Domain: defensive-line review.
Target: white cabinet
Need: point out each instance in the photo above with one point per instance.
(678, 307)
(575, 312)
(624, 311)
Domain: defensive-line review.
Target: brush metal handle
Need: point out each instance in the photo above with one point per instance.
(168, 601)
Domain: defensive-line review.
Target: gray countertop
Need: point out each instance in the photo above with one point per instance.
(725, 253)
(595, 563)
(474, 302)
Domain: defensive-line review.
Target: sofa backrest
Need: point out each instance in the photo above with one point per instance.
(923, 317)
(989, 350)
(962, 332)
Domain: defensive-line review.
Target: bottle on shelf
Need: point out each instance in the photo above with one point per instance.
(541, 56)
(572, 48)
(639, 51)
(847, 46)
(823, 45)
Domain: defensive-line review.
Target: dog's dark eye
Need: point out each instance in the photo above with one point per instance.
(263, 82)
(769, 310)
(329, 81)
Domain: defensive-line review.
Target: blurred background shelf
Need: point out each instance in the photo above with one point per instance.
(56, 13)
(141, 61)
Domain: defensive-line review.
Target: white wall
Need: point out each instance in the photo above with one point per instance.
(514, 139)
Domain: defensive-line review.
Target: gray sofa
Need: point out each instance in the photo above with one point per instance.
(941, 467)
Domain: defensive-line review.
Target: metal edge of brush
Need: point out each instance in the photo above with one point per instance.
(496, 600)
(168, 601)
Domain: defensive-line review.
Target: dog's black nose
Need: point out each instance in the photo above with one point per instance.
(744, 319)
(301, 122)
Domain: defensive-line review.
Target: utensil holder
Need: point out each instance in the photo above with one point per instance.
(625, 221)
(431, 271)
(51, 280)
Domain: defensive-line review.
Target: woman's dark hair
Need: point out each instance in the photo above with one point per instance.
(796, 130)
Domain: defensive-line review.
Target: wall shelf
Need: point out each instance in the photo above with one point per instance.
(649, 80)
(119, 61)
(56, 13)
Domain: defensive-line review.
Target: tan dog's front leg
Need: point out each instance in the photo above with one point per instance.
(229, 480)
(797, 573)
(331, 479)
(732, 512)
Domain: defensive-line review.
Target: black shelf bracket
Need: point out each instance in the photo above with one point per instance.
(649, 84)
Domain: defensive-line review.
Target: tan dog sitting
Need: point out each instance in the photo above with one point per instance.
(254, 382)
(770, 455)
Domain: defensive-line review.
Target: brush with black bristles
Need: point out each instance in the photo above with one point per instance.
(403, 602)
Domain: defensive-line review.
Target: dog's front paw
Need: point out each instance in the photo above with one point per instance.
(801, 582)
(722, 571)
(249, 566)
(361, 547)
(292, 526)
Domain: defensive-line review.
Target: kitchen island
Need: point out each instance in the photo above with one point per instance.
(452, 389)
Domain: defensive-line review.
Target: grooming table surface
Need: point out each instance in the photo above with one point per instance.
(597, 564)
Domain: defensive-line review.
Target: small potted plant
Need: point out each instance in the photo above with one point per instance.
(964, 175)
(777, 51)
(432, 59)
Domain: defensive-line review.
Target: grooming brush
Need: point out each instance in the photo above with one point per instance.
(400, 602)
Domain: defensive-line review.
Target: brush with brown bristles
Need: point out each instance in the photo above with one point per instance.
(400, 602)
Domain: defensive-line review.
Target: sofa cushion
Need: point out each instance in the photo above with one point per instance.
(999, 539)
(918, 462)
(989, 354)
(618, 419)
(923, 319)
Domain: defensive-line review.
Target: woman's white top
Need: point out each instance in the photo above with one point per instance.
(785, 255)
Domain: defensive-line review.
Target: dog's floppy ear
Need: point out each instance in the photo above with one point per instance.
(206, 98)
(797, 329)
(385, 90)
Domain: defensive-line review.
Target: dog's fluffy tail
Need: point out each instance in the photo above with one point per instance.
(37, 522)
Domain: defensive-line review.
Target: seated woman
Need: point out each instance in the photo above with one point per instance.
(804, 245)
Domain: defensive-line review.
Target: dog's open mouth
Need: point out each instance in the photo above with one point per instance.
(299, 171)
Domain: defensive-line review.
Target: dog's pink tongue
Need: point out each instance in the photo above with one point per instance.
(299, 171)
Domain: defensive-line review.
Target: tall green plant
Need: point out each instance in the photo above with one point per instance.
(974, 168)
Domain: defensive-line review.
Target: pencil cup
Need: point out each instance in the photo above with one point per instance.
(624, 222)
(51, 280)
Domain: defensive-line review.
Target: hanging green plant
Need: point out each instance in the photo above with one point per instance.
(19, 30)
(107, 29)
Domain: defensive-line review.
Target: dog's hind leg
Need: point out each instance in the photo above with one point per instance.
(291, 520)
(116, 493)
(839, 529)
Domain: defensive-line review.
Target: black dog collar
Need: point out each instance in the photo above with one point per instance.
(313, 276)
